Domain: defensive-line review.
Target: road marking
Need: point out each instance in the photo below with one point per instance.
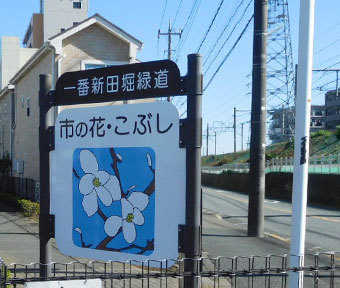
(277, 237)
(281, 210)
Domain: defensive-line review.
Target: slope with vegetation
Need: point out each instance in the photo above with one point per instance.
(323, 142)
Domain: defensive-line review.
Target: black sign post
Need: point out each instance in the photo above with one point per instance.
(129, 82)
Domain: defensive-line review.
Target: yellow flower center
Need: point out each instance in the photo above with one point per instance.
(96, 182)
(129, 218)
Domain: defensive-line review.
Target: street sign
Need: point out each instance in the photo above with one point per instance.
(118, 182)
(124, 82)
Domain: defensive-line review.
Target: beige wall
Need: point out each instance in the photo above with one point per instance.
(5, 124)
(92, 43)
(26, 137)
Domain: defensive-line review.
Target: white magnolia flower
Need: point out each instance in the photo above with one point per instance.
(96, 184)
(131, 216)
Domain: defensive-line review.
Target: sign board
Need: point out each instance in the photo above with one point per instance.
(124, 82)
(85, 283)
(118, 182)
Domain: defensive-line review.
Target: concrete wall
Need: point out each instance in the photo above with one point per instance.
(5, 124)
(61, 14)
(93, 43)
(26, 137)
(323, 189)
(9, 55)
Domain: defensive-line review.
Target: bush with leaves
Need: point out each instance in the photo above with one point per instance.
(5, 164)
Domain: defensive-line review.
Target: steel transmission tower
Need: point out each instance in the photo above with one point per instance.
(280, 68)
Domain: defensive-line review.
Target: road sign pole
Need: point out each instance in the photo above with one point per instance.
(301, 151)
(193, 169)
(45, 82)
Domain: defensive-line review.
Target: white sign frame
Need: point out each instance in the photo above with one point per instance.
(170, 175)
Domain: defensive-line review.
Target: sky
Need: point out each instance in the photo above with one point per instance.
(231, 85)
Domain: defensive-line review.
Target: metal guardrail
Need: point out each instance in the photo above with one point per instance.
(321, 270)
(318, 164)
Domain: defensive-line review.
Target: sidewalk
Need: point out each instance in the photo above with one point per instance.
(19, 243)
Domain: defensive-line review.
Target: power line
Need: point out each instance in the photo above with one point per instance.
(187, 26)
(178, 8)
(165, 5)
(221, 34)
(228, 54)
(211, 24)
(229, 36)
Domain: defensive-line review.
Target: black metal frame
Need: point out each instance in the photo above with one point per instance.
(191, 85)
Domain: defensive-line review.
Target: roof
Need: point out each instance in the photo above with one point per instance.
(55, 43)
(104, 23)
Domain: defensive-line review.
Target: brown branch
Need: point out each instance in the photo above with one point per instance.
(115, 169)
(75, 173)
(151, 188)
(101, 214)
(102, 245)
(150, 246)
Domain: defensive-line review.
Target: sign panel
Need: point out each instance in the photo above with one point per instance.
(118, 182)
(124, 82)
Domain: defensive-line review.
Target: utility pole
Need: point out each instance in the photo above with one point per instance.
(242, 136)
(215, 143)
(336, 80)
(169, 34)
(207, 139)
(234, 131)
(258, 121)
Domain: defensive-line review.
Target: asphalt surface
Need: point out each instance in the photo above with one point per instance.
(227, 213)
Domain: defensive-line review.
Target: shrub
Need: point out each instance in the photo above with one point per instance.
(337, 132)
(5, 164)
(322, 132)
(30, 209)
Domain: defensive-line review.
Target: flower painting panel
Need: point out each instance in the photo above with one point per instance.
(114, 199)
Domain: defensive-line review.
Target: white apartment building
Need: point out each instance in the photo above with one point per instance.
(54, 17)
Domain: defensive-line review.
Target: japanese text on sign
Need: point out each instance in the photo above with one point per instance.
(142, 124)
(128, 82)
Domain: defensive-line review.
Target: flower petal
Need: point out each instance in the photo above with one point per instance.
(139, 200)
(138, 218)
(90, 203)
(104, 195)
(113, 186)
(126, 208)
(86, 184)
(88, 162)
(129, 231)
(103, 177)
(112, 225)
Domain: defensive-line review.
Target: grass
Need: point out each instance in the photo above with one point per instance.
(322, 142)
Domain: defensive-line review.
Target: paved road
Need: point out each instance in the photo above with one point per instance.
(230, 208)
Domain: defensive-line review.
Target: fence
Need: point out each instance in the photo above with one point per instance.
(253, 271)
(318, 164)
(21, 187)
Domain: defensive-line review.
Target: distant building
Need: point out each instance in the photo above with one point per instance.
(12, 58)
(91, 43)
(54, 17)
(282, 127)
(332, 105)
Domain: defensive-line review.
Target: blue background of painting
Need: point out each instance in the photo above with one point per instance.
(133, 170)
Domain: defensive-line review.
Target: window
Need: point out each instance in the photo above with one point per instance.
(62, 30)
(94, 66)
(28, 107)
(75, 23)
(77, 5)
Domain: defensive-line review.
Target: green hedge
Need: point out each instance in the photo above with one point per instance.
(29, 208)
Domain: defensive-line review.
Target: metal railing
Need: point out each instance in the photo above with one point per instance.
(321, 270)
(318, 164)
